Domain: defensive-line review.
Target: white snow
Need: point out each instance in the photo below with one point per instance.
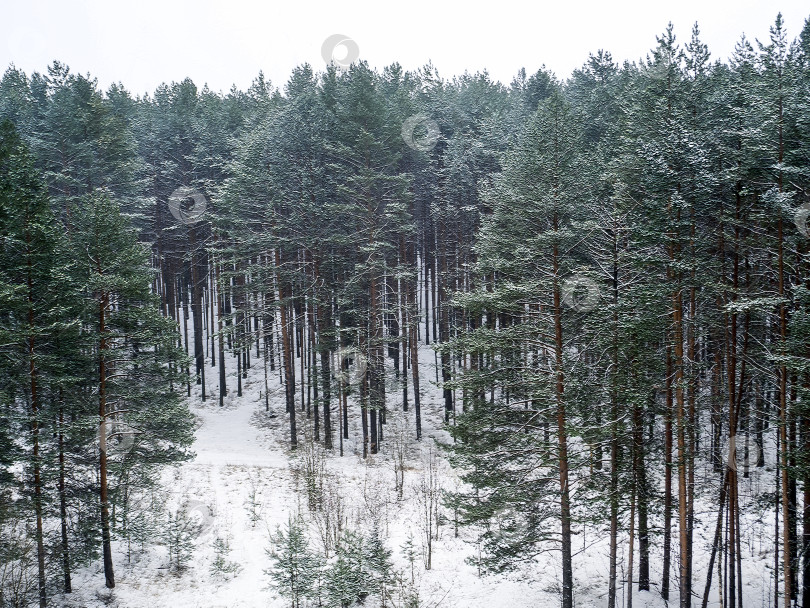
(240, 446)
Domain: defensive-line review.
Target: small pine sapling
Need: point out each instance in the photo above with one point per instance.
(378, 561)
(179, 535)
(294, 568)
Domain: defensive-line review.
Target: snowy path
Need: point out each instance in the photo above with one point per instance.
(226, 436)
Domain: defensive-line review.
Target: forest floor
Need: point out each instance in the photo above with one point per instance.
(242, 484)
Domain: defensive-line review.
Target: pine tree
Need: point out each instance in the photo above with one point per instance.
(294, 568)
(373, 199)
(132, 345)
(29, 269)
(410, 553)
(179, 535)
(221, 565)
(347, 576)
(527, 242)
(378, 561)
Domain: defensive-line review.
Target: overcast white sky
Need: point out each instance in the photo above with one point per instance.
(222, 43)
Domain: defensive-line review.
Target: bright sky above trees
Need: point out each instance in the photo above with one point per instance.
(222, 43)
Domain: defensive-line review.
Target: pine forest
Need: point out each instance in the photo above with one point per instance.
(392, 338)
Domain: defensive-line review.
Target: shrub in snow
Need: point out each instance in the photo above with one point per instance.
(179, 535)
(18, 565)
(294, 568)
(253, 503)
(378, 560)
(221, 565)
(347, 575)
(411, 553)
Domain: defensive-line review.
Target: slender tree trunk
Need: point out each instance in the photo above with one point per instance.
(289, 371)
(562, 440)
(433, 284)
(731, 358)
(223, 386)
(374, 369)
(68, 587)
(364, 409)
(683, 507)
(783, 409)
(614, 507)
(183, 292)
(403, 320)
(691, 426)
(805, 451)
(718, 532)
(197, 312)
(325, 346)
(109, 575)
(313, 354)
(32, 376)
(643, 500)
(444, 321)
(631, 557)
(614, 433)
(777, 513)
(413, 328)
(213, 292)
(783, 428)
(344, 366)
(668, 440)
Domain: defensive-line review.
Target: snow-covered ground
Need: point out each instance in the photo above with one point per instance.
(241, 485)
(242, 459)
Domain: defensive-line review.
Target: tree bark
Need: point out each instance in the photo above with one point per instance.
(32, 377)
(668, 440)
(109, 575)
(562, 439)
(197, 312)
(68, 587)
(289, 371)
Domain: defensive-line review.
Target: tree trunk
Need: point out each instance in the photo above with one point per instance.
(444, 320)
(562, 440)
(683, 507)
(325, 346)
(643, 499)
(806, 509)
(614, 434)
(375, 368)
(783, 424)
(289, 371)
(413, 328)
(32, 376)
(668, 439)
(109, 575)
(223, 386)
(68, 587)
(197, 312)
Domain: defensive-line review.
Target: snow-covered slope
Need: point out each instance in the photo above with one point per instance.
(242, 484)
